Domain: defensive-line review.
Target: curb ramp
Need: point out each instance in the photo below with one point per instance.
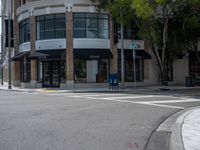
(168, 135)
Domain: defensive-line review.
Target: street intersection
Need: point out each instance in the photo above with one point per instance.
(176, 101)
(86, 120)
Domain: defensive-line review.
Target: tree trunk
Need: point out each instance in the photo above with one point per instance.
(164, 80)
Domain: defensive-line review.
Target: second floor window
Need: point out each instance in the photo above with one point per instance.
(24, 31)
(51, 26)
(131, 31)
(22, 2)
(90, 25)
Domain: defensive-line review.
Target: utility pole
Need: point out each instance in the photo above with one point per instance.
(2, 56)
(2, 39)
(9, 44)
(122, 56)
(122, 50)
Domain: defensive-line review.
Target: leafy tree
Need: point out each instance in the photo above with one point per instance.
(191, 27)
(158, 23)
(120, 9)
(162, 24)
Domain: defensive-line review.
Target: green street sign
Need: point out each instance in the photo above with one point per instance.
(133, 46)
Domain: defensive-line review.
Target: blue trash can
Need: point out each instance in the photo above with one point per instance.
(113, 81)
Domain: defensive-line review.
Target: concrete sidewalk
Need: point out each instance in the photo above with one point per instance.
(99, 89)
(191, 129)
(181, 131)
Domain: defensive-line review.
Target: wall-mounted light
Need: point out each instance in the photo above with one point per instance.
(31, 11)
(69, 7)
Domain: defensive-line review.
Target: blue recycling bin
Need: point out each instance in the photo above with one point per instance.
(113, 81)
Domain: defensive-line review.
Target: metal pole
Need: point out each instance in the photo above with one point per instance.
(9, 45)
(2, 40)
(122, 55)
(134, 68)
(2, 58)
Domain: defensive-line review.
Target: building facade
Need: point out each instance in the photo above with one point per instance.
(71, 43)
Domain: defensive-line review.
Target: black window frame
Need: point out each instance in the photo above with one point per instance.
(44, 19)
(25, 27)
(25, 70)
(131, 31)
(139, 71)
(98, 17)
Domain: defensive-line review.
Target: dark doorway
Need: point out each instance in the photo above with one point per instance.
(51, 75)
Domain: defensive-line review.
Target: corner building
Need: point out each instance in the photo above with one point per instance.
(70, 43)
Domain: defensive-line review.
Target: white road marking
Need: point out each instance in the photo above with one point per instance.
(120, 96)
(132, 97)
(172, 101)
(151, 103)
(160, 105)
(96, 95)
(134, 102)
(124, 97)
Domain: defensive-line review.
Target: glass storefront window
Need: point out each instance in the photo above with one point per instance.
(51, 26)
(129, 70)
(91, 71)
(80, 70)
(63, 68)
(90, 25)
(131, 31)
(25, 73)
(39, 71)
(24, 31)
(102, 75)
(194, 70)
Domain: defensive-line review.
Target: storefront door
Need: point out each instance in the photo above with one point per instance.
(51, 77)
(92, 70)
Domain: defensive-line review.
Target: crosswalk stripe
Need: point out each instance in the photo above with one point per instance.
(135, 99)
(171, 101)
(160, 105)
(132, 97)
(95, 95)
(134, 102)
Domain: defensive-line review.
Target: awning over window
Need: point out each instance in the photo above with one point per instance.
(39, 54)
(36, 55)
(93, 54)
(194, 54)
(55, 53)
(19, 55)
(140, 54)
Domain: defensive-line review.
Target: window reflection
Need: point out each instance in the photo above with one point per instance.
(89, 25)
(24, 31)
(51, 26)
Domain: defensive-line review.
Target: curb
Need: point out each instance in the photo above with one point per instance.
(168, 135)
(82, 90)
(78, 90)
(177, 142)
(22, 90)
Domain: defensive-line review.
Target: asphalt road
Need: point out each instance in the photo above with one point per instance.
(84, 121)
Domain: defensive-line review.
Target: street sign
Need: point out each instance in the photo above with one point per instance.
(134, 46)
